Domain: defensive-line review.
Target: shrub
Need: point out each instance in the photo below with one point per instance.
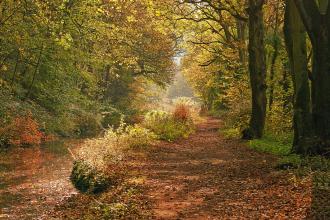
(111, 117)
(154, 117)
(166, 126)
(90, 171)
(181, 113)
(89, 125)
(88, 179)
(22, 131)
(137, 136)
(99, 163)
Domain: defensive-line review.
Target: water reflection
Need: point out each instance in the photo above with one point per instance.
(34, 180)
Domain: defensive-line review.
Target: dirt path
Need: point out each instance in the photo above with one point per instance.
(209, 177)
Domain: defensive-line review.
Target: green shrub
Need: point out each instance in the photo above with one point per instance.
(138, 137)
(166, 127)
(89, 125)
(64, 126)
(231, 132)
(115, 210)
(88, 179)
(111, 117)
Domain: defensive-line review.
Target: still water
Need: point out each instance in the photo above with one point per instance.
(34, 180)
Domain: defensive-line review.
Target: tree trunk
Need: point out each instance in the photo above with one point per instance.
(321, 84)
(295, 40)
(316, 19)
(257, 68)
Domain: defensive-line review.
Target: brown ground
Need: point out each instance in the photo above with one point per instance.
(203, 177)
(209, 177)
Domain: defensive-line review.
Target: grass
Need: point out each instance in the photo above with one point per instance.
(279, 146)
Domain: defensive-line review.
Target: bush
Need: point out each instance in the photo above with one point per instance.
(168, 126)
(88, 179)
(99, 163)
(89, 125)
(181, 113)
(22, 131)
(111, 117)
(138, 137)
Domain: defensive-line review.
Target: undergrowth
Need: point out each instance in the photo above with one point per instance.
(315, 168)
(279, 145)
(170, 126)
(124, 201)
(100, 161)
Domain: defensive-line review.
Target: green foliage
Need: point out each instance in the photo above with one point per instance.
(231, 132)
(67, 61)
(281, 146)
(87, 179)
(271, 144)
(111, 117)
(166, 126)
(292, 161)
(138, 137)
(115, 211)
(89, 125)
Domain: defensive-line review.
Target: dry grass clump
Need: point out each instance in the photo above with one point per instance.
(99, 163)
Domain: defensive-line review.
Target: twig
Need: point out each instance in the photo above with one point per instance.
(72, 155)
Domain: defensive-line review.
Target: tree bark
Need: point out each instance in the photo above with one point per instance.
(295, 40)
(317, 23)
(257, 69)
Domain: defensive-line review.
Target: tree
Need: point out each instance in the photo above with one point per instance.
(295, 39)
(316, 18)
(70, 58)
(257, 69)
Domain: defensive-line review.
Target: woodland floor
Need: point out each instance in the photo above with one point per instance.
(204, 177)
(209, 177)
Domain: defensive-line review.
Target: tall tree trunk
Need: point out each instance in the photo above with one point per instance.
(295, 40)
(257, 68)
(316, 19)
(321, 87)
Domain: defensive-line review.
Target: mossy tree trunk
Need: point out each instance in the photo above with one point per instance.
(316, 18)
(257, 69)
(295, 40)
